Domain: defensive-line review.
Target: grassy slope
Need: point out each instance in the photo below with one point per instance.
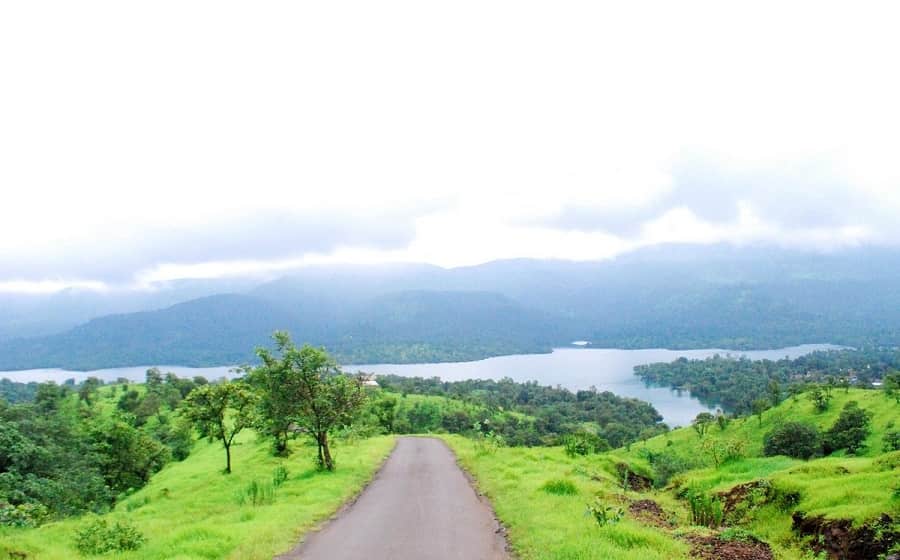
(191, 510)
(547, 526)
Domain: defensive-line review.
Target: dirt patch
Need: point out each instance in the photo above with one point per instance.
(650, 513)
(714, 548)
(737, 496)
(839, 539)
(633, 480)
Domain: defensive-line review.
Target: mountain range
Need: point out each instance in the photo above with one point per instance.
(668, 296)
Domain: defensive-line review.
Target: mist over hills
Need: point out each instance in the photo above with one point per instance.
(672, 296)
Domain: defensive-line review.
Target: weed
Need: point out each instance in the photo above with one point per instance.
(279, 476)
(560, 487)
(98, 537)
(604, 514)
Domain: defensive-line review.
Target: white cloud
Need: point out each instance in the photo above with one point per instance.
(143, 142)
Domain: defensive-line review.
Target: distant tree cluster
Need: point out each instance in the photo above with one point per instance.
(745, 386)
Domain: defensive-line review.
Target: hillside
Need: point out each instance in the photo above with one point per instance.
(668, 297)
(770, 507)
(223, 330)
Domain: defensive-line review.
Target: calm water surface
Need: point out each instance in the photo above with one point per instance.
(573, 368)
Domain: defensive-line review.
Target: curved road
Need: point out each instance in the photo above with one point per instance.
(420, 506)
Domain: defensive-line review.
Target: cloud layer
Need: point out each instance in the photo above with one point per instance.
(140, 143)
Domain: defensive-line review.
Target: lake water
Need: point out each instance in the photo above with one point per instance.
(573, 368)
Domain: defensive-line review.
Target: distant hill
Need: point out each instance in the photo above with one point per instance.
(672, 296)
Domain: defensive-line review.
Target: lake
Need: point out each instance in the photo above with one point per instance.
(574, 368)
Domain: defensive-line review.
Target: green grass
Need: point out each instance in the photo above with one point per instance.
(550, 525)
(191, 510)
(544, 523)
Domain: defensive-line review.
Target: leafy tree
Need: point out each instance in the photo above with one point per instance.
(759, 406)
(317, 396)
(794, 439)
(819, 397)
(702, 423)
(127, 457)
(385, 410)
(850, 430)
(892, 385)
(774, 390)
(220, 412)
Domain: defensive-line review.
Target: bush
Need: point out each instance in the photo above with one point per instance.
(583, 443)
(560, 487)
(891, 441)
(98, 537)
(667, 464)
(23, 515)
(850, 430)
(794, 439)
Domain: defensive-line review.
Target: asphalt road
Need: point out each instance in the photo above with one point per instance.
(419, 507)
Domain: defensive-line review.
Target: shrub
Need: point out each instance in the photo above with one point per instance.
(98, 537)
(23, 515)
(794, 439)
(604, 514)
(891, 441)
(850, 430)
(584, 443)
(667, 464)
(722, 452)
(560, 487)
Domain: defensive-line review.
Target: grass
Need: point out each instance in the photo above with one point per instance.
(541, 496)
(190, 510)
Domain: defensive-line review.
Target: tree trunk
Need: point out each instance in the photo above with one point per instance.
(329, 462)
(321, 457)
(227, 458)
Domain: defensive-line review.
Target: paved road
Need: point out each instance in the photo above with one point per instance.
(419, 507)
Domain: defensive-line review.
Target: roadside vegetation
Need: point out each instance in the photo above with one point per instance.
(717, 491)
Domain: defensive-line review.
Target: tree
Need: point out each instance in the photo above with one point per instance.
(892, 385)
(794, 439)
(702, 423)
(759, 406)
(314, 393)
(385, 410)
(774, 390)
(220, 412)
(850, 430)
(820, 398)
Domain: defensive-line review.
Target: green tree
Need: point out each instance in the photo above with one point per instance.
(759, 406)
(774, 390)
(702, 423)
(892, 385)
(318, 396)
(385, 410)
(220, 412)
(850, 430)
(819, 397)
(794, 439)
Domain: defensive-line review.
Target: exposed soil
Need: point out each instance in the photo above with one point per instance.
(636, 482)
(650, 513)
(839, 539)
(714, 548)
(738, 495)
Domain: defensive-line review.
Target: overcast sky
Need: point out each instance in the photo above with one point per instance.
(146, 141)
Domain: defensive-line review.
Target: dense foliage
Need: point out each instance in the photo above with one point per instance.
(532, 414)
(735, 383)
(77, 448)
(794, 439)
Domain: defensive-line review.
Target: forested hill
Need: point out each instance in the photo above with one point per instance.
(673, 297)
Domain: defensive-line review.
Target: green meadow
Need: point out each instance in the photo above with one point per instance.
(190, 510)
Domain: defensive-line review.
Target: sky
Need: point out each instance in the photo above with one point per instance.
(146, 142)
